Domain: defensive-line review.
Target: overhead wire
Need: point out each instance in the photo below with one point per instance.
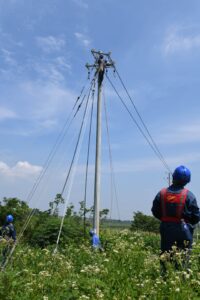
(70, 168)
(87, 164)
(148, 137)
(51, 155)
(142, 121)
(58, 141)
(59, 144)
(138, 126)
(113, 182)
(77, 143)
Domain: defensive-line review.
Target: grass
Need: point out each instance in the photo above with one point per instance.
(128, 269)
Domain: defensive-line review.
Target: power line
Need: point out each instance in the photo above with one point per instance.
(49, 160)
(111, 161)
(77, 143)
(45, 167)
(138, 126)
(87, 163)
(72, 162)
(56, 145)
(142, 121)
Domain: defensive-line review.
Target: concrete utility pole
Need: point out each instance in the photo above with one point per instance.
(102, 62)
(169, 178)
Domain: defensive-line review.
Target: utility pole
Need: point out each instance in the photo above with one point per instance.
(102, 62)
(169, 178)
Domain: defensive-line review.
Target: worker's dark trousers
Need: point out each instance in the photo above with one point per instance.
(5, 253)
(180, 236)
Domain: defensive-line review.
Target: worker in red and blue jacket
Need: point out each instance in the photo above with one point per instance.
(177, 209)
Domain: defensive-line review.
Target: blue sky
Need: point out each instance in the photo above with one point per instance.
(44, 46)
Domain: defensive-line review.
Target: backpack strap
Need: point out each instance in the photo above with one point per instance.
(180, 207)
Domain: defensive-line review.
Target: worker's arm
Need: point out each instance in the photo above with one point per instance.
(156, 208)
(191, 209)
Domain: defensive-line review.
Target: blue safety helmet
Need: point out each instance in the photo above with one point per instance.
(9, 219)
(181, 175)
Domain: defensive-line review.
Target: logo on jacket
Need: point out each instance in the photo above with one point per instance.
(171, 198)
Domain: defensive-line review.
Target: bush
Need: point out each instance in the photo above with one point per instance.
(46, 232)
(144, 223)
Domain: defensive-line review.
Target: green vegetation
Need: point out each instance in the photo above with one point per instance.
(128, 268)
(43, 228)
(145, 223)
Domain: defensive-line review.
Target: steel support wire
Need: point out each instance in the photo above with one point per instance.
(138, 126)
(142, 121)
(64, 186)
(113, 182)
(87, 163)
(45, 167)
(48, 162)
(58, 144)
(70, 168)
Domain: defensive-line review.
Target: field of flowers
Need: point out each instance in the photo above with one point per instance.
(128, 269)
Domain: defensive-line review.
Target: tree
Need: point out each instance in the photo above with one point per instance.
(46, 233)
(54, 204)
(83, 210)
(103, 213)
(19, 209)
(144, 223)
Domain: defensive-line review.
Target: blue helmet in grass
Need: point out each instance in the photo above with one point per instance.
(181, 175)
(9, 219)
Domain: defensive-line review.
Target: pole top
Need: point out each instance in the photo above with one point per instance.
(100, 56)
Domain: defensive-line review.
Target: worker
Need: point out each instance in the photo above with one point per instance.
(8, 236)
(95, 241)
(177, 209)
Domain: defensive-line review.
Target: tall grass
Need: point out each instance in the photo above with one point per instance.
(129, 268)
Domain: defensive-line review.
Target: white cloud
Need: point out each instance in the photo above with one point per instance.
(83, 39)
(143, 164)
(50, 43)
(37, 107)
(6, 113)
(179, 39)
(149, 164)
(45, 101)
(8, 57)
(22, 169)
(48, 124)
(53, 70)
(81, 3)
(49, 71)
(182, 134)
(187, 158)
(61, 61)
(130, 166)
